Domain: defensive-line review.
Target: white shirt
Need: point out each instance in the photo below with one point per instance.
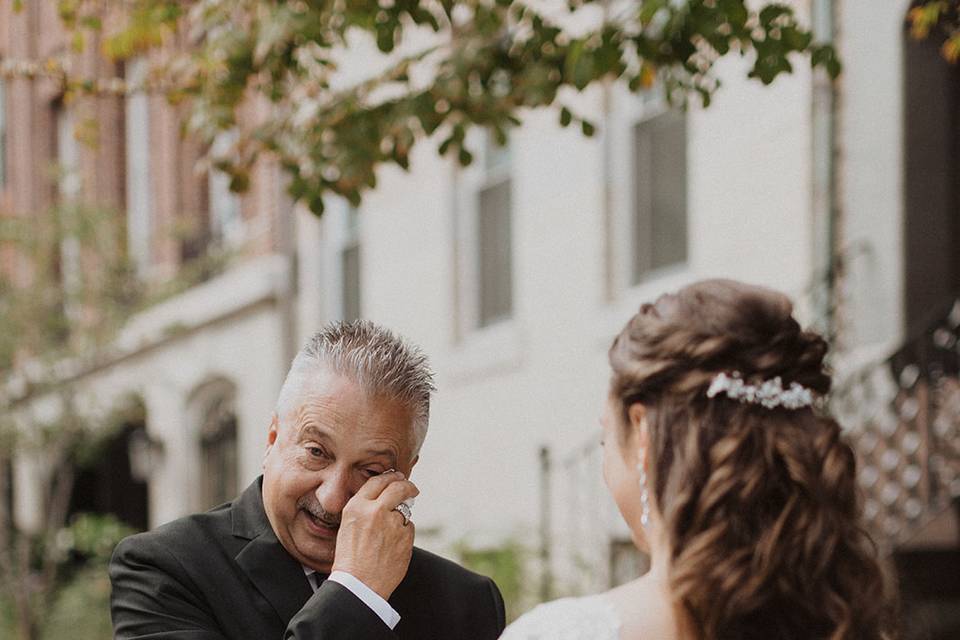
(367, 595)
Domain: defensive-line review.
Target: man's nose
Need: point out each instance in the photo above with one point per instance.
(335, 490)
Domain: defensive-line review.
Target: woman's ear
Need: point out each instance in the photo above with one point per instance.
(638, 419)
(639, 434)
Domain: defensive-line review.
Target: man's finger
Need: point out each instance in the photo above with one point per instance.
(373, 487)
(397, 492)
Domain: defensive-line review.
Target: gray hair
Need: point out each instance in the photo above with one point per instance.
(375, 358)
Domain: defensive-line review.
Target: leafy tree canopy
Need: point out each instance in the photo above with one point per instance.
(445, 66)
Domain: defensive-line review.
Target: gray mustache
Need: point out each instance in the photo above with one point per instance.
(312, 506)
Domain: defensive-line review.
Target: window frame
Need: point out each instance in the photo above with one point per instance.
(482, 175)
(628, 110)
(642, 252)
(224, 207)
(341, 230)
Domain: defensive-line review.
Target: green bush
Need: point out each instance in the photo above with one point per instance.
(7, 626)
(504, 564)
(81, 609)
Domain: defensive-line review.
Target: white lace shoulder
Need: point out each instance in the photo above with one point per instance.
(589, 618)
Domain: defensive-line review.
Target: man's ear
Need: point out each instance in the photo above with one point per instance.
(272, 434)
(273, 431)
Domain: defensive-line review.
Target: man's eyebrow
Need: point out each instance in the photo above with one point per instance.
(311, 431)
(388, 453)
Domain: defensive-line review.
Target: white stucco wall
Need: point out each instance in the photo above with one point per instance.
(539, 378)
(872, 171)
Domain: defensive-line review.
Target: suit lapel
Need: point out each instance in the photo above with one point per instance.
(275, 573)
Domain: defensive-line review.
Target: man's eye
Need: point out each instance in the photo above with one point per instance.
(371, 472)
(316, 452)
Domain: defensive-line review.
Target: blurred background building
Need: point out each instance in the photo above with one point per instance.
(514, 275)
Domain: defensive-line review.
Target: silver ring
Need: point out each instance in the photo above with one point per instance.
(404, 509)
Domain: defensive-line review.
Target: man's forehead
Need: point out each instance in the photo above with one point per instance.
(320, 384)
(332, 398)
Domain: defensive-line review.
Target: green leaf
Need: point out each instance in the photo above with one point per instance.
(772, 12)
(583, 70)
(705, 97)
(796, 39)
(315, 204)
(240, 182)
(385, 39)
(445, 146)
(649, 8)
(736, 12)
(565, 117)
(587, 128)
(465, 157)
(826, 56)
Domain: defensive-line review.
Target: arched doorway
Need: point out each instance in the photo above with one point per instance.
(214, 417)
(110, 485)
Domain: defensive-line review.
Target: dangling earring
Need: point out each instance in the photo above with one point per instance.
(644, 496)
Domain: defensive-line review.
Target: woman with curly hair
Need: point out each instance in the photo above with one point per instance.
(730, 475)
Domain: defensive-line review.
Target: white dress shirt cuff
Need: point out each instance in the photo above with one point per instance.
(369, 597)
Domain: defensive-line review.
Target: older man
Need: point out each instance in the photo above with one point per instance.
(321, 546)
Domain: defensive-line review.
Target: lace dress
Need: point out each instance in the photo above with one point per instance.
(589, 618)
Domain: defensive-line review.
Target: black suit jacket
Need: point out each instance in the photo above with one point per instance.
(224, 574)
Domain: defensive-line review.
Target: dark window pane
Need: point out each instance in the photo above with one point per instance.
(660, 198)
(495, 253)
(350, 286)
(218, 444)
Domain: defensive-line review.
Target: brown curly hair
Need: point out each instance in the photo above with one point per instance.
(760, 505)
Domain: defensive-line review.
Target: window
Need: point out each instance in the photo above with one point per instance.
(494, 237)
(218, 451)
(226, 219)
(341, 262)
(139, 192)
(660, 193)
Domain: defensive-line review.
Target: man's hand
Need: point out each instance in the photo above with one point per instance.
(373, 545)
